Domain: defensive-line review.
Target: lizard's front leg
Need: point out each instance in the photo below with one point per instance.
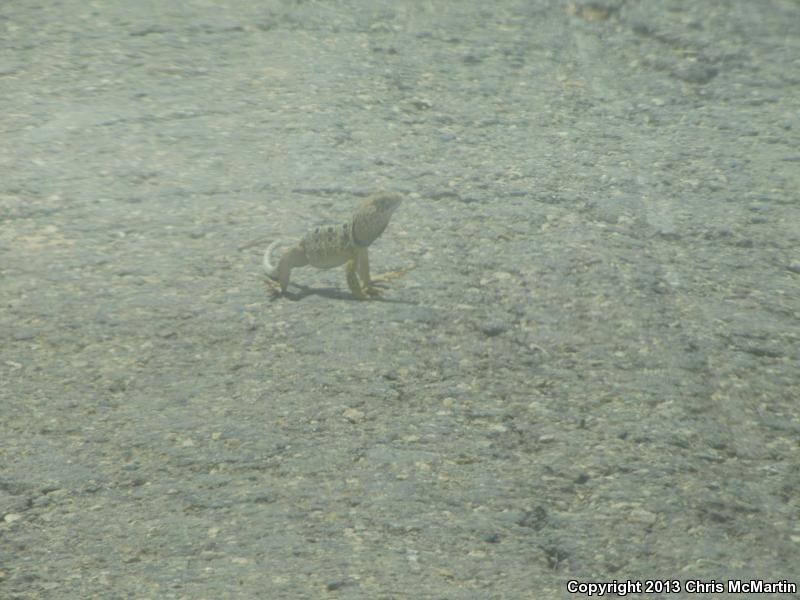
(352, 279)
(362, 266)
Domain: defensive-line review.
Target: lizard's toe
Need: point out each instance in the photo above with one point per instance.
(384, 277)
(273, 287)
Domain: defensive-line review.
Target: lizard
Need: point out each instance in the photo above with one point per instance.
(346, 244)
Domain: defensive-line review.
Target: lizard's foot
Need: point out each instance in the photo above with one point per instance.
(371, 291)
(384, 278)
(273, 287)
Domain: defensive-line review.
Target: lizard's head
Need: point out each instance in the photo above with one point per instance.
(387, 202)
(373, 216)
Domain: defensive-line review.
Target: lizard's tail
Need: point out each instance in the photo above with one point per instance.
(272, 272)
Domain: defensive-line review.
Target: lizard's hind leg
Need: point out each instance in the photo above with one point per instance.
(294, 257)
(271, 270)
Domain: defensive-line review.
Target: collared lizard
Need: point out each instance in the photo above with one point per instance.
(330, 246)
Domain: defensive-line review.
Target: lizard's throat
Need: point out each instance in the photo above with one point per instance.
(365, 236)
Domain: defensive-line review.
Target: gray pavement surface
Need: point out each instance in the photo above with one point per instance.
(592, 374)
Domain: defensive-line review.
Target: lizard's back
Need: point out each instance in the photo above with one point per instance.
(328, 246)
